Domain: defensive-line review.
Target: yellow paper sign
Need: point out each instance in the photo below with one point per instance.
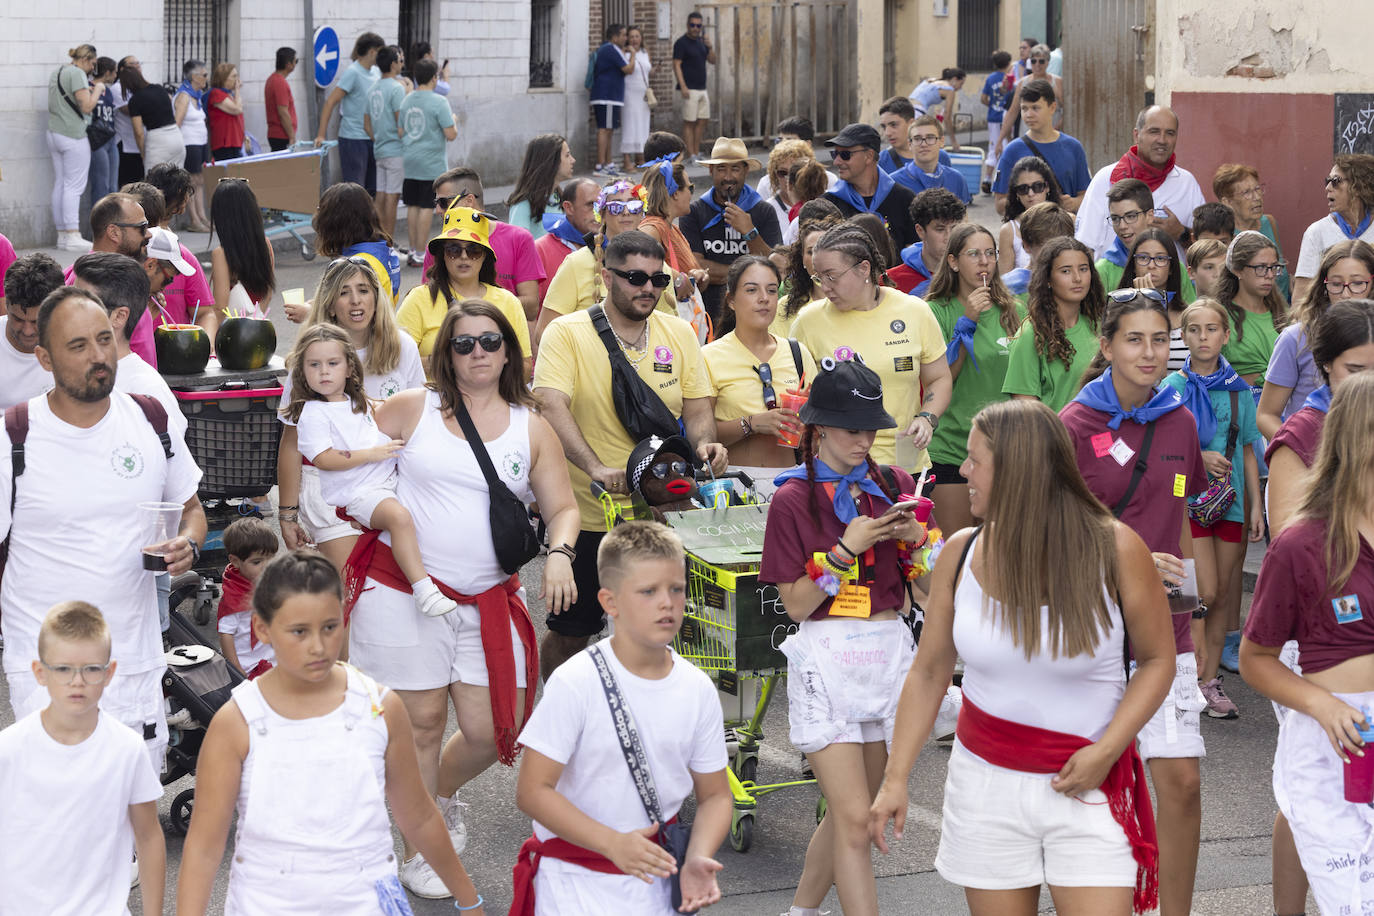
(852, 601)
(1180, 482)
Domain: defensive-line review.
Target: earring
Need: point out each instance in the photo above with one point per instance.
(821, 435)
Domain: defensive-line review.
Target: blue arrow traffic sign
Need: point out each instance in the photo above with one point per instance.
(326, 53)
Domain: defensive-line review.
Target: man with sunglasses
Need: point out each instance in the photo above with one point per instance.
(729, 220)
(865, 188)
(1063, 154)
(691, 53)
(572, 381)
(119, 225)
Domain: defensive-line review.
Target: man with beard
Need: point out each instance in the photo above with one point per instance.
(119, 224)
(91, 456)
(865, 188)
(27, 282)
(572, 382)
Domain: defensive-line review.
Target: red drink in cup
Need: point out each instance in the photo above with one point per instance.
(792, 400)
(1359, 772)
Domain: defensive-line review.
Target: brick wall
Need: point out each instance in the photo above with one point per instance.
(663, 116)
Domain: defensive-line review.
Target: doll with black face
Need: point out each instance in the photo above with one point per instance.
(662, 470)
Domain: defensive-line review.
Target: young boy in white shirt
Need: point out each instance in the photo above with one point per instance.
(78, 792)
(591, 830)
(251, 544)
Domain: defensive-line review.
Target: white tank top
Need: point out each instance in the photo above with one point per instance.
(1022, 257)
(193, 129)
(1077, 695)
(443, 487)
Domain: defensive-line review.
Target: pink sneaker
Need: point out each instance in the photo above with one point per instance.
(1219, 705)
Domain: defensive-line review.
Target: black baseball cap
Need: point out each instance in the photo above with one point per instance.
(857, 135)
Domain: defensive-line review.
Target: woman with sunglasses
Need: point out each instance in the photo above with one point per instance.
(1039, 70)
(464, 268)
(1154, 264)
(481, 657)
(577, 284)
(1032, 182)
(1346, 272)
(1350, 198)
(750, 370)
(1248, 290)
(1239, 187)
(1139, 455)
(243, 268)
(350, 296)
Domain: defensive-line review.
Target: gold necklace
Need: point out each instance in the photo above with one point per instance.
(641, 346)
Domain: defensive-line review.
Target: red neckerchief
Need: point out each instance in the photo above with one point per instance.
(1028, 749)
(1132, 166)
(234, 595)
(499, 607)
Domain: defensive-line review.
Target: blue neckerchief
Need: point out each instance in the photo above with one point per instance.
(889, 161)
(1117, 254)
(199, 96)
(1357, 231)
(911, 257)
(920, 289)
(964, 329)
(748, 199)
(846, 509)
(1197, 400)
(1017, 280)
(1100, 394)
(922, 179)
(568, 233)
(1319, 399)
(845, 192)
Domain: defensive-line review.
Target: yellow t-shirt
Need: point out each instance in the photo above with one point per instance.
(895, 337)
(573, 360)
(782, 323)
(421, 315)
(734, 383)
(576, 286)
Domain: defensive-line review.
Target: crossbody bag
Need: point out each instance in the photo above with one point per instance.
(512, 532)
(641, 411)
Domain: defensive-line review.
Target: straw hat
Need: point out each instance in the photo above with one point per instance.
(729, 150)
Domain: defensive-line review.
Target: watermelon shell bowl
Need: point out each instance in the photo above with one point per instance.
(245, 343)
(182, 349)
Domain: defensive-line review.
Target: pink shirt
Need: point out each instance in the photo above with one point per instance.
(516, 259)
(183, 293)
(552, 252)
(7, 257)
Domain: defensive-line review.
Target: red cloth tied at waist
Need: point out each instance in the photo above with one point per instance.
(534, 849)
(1132, 166)
(1028, 749)
(499, 607)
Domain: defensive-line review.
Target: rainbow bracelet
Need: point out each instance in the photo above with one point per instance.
(824, 578)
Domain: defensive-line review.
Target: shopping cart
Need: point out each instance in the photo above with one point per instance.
(286, 184)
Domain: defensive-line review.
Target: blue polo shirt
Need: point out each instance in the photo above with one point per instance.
(917, 180)
(608, 83)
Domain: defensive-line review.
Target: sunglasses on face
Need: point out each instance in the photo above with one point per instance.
(1040, 60)
(844, 155)
(446, 202)
(470, 250)
(1334, 181)
(770, 397)
(463, 344)
(141, 227)
(640, 277)
(619, 207)
(661, 469)
(1035, 187)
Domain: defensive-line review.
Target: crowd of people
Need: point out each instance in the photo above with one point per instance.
(1108, 397)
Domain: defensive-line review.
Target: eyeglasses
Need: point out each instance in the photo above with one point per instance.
(977, 254)
(844, 155)
(141, 227)
(1151, 260)
(1122, 296)
(1334, 181)
(640, 277)
(470, 250)
(1253, 193)
(445, 202)
(661, 469)
(770, 397)
(619, 207)
(1035, 187)
(1130, 216)
(925, 140)
(1266, 270)
(89, 674)
(1356, 287)
(832, 278)
(463, 344)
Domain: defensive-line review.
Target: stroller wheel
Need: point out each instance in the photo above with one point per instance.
(181, 812)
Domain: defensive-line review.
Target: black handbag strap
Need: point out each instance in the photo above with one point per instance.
(797, 360)
(602, 324)
(625, 730)
(70, 101)
(1141, 463)
(479, 448)
(1233, 431)
(1035, 150)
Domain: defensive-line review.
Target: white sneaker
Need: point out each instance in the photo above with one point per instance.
(72, 241)
(947, 719)
(419, 878)
(133, 873)
(431, 601)
(452, 810)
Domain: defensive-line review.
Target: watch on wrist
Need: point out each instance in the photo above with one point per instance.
(195, 550)
(751, 234)
(566, 550)
(931, 418)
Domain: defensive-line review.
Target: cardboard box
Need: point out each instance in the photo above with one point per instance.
(280, 181)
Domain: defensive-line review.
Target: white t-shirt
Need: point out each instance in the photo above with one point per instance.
(1179, 192)
(240, 626)
(680, 725)
(21, 377)
(65, 836)
(133, 375)
(75, 528)
(333, 424)
(1320, 236)
(409, 372)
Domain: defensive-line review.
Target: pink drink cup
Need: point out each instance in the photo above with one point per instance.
(792, 400)
(924, 506)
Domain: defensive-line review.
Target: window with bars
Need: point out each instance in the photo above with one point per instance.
(543, 27)
(977, 33)
(193, 30)
(413, 24)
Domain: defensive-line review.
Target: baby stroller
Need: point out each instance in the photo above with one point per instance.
(197, 682)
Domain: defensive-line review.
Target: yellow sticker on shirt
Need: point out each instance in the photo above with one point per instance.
(852, 601)
(1180, 482)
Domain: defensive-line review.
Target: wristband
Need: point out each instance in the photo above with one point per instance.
(747, 426)
(566, 551)
(751, 234)
(824, 578)
(841, 544)
(460, 908)
(287, 517)
(288, 507)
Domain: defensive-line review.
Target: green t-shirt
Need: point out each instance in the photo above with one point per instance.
(424, 116)
(975, 388)
(1252, 354)
(1249, 433)
(383, 102)
(62, 118)
(356, 83)
(1030, 373)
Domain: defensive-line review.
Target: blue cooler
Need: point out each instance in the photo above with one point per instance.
(969, 161)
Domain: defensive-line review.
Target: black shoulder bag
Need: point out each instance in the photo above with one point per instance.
(641, 411)
(98, 133)
(672, 837)
(512, 532)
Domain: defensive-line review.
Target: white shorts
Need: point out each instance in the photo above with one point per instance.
(1175, 730)
(1289, 656)
(317, 516)
(134, 699)
(994, 131)
(392, 642)
(1002, 829)
(697, 105)
(363, 504)
(1334, 838)
(391, 174)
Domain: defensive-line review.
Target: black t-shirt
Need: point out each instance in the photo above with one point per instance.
(692, 52)
(722, 244)
(154, 105)
(895, 210)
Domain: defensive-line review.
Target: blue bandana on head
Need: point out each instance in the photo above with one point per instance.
(846, 509)
(748, 199)
(1100, 394)
(845, 192)
(664, 164)
(1319, 399)
(1196, 399)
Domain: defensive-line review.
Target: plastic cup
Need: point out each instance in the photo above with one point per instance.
(715, 493)
(159, 523)
(1183, 599)
(1359, 772)
(293, 296)
(907, 452)
(924, 506)
(792, 400)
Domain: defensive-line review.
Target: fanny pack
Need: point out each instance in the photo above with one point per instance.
(512, 532)
(1210, 506)
(641, 411)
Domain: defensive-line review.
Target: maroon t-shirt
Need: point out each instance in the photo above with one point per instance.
(1294, 601)
(1159, 504)
(791, 537)
(1302, 432)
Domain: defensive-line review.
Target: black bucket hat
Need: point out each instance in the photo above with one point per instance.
(848, 395)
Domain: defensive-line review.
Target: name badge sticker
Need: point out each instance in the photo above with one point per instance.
(1102, 444)
(1347, 608)
(852, 601)
(1180, 484)
(1121, 452)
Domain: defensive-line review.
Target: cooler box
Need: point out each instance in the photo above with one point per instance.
(232, 426)
(969, 162)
